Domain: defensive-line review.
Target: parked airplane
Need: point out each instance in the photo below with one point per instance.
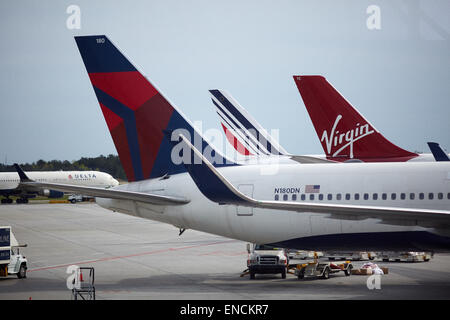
(9, 183)
(357, 206)
(343, 132)
(323, 102)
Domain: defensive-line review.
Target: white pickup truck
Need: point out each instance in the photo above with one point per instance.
(11, 261)
(265, 259)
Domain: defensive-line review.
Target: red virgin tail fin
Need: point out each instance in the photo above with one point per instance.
(343, 132)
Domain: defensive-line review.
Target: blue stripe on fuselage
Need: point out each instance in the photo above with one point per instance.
(371, 241)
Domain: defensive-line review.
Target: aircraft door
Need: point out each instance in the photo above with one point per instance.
(246, 189)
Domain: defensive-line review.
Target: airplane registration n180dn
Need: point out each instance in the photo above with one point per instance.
(354, 206)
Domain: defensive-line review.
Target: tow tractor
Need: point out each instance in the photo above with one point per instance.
(322, 269)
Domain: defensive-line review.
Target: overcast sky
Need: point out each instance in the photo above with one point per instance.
(397, 76)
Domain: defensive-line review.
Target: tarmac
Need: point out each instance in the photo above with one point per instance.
(136, 258)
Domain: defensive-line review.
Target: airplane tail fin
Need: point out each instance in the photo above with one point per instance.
(135, 111)
(343, 132)
(438, 153)
(243, 132)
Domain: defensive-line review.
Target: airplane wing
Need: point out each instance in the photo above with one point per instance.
(218, 189)
(155, 199)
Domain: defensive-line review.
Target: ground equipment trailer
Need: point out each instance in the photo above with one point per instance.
(353, 256)
(11, 261)
(322, 269)
(405, 256)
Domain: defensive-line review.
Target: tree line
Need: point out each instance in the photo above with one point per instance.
(109, 164)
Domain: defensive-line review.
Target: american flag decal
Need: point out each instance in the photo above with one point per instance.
(312, 188)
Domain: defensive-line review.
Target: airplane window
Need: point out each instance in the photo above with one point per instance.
(431, 196)
(366, 196)
(440, 196)
(375, 196)
(411, 196)
(448, 195)
(421, 196)
(276, 197)
(294, 197)
(384, 196)
(320, 196)
(338, 196)
(402, 196)
(311, 197)
(303, 197)
(347, 196)
(356, 196)
(285, 197)
(393, 196)
(330, 196)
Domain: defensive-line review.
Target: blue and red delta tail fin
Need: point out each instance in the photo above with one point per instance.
(343, 132)
(135, 111)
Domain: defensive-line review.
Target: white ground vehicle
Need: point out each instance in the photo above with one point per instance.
(405, 256)
(11, 261)
(265, 259)
(322, 269)
(74, 198)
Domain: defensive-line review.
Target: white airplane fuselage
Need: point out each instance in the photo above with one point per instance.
(10, 180)
(273, 226)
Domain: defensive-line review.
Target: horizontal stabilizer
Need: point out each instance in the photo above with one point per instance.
(310, 159)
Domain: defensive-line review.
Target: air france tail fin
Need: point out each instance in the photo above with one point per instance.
(438, 153)
(243, 132)
(343, 132)
(136, 112)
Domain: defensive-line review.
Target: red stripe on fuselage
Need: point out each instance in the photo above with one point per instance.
(128, 87)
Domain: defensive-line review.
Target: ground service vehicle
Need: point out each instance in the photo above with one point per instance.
(266, 259)
(322, 269)
(11, 261)
(74, 198)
